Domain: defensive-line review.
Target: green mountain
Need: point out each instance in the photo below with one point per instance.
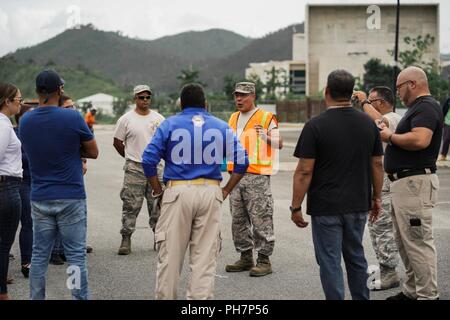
(79, 82)
(131, 61)
(275, 46)
(109, 55)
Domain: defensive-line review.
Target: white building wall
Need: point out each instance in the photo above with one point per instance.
(260, 69)
(299, 47)
(100, 101)
(338, 37)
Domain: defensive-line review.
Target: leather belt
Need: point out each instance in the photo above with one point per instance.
(10, 178)
(408, 173)
(199, 181)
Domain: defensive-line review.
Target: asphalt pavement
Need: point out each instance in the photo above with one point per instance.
(295, 276)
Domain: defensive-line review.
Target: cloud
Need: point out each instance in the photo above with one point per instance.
(3, 21)
(29, 22)
(27, 26)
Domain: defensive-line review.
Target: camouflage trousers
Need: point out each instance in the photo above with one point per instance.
(251, 205)
(382, 231)
(135, 188)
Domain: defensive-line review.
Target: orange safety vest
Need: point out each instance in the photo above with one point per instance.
(259, 152)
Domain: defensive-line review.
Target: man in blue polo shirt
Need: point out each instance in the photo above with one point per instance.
(193, 145)
(55, 140)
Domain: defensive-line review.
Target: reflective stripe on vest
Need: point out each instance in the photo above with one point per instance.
(254, 159)
(259, 163)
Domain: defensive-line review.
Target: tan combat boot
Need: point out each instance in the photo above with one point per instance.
(263, 266)
(388, 279)
(125, 246)
(245, 263)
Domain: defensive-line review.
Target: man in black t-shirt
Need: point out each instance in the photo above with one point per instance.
(340, 155)
(410, 161)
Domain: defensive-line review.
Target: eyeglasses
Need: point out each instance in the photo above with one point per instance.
(402, 84)
(69, 107)
(371, 101)
(18, 99)
(144, 97)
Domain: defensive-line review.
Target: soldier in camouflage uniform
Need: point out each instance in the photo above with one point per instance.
(379, 106)
(251, 201)
(383, 240)
(135, 189)
(134, 131)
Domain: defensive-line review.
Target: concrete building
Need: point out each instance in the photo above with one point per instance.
(292, 73)
(445, 60)
(100, 101)
(348, 35)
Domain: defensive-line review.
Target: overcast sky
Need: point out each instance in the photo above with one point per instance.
(29, 22)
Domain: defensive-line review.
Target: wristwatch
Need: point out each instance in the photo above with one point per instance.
(294, 210)
(390, 140)
(365, 101)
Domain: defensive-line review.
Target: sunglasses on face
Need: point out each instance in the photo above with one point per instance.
(144, 97)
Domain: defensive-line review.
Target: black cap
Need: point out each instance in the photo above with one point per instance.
(48, 81)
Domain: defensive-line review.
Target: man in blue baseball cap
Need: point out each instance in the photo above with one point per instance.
(48, 82)
(55, 139)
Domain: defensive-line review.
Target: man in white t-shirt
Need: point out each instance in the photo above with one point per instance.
(134, 131)
(379, 106)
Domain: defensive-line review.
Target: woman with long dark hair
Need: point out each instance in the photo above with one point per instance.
(10, 179)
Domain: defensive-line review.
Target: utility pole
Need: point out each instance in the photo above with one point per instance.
(397, 30)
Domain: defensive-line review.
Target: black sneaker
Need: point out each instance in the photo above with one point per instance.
(56, 260)
(400, 296)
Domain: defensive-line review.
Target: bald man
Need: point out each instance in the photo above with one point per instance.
(410, 162)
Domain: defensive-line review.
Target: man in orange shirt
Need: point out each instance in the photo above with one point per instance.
(90, 119)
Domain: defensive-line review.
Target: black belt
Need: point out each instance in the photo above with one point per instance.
(409, 173)
(9, 178)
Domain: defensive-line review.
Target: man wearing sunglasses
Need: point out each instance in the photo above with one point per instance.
(410, 162)
(134, 131)
(379, 106)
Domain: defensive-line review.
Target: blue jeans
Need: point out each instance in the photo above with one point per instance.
(26, 229)
(68, 217)
(335, 235)
(58, 247)
(10, 206)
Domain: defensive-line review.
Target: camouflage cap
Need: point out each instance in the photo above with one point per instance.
(245, 87)
(141, 88)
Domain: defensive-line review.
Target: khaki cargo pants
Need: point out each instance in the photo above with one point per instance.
(413, 199)
(190, 217)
